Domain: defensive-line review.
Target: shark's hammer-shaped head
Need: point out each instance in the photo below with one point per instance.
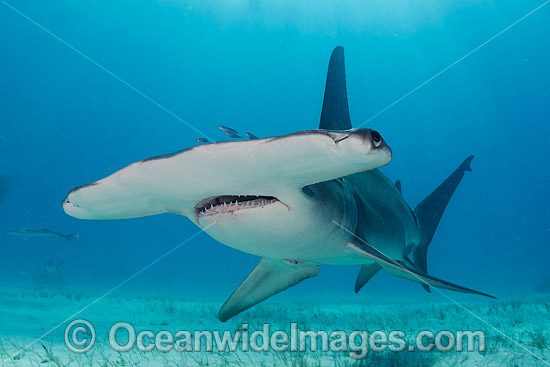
(294, 161)
(268, 217)
(227, 179)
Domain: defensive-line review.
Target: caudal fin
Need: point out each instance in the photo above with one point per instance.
(71, 237)
(428, 213)
(57, 267)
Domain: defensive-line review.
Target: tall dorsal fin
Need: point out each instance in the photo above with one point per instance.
(335, 113)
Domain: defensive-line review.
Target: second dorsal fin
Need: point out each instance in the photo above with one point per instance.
(335, 113)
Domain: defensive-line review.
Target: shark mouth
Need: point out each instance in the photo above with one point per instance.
(232, 203)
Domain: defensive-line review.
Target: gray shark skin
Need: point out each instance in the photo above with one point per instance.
(27, 233)
(297, 200)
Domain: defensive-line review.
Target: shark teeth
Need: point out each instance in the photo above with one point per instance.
(230, 204)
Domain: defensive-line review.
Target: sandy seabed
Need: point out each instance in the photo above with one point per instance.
(28, 313)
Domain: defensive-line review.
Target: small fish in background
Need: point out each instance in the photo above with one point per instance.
(524, 61)
(23, 272)
(544, 90)
(51, 267)
(232, 133)
(202, 140)
(26, 233)
(3, 137)
(251, 136)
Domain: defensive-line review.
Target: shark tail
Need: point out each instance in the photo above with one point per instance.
(71, 237)
(57, 267)
(429, 211)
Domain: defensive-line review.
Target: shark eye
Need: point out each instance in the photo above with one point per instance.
(376, 138)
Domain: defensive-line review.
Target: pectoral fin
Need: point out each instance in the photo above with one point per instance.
(365, 274)
(269, 277)
(403, 270)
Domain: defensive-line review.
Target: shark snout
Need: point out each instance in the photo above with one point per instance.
(82, 204)
(71, 208)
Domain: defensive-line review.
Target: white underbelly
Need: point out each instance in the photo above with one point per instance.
(277, 233)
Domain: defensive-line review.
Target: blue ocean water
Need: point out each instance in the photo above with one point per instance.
(260, 66)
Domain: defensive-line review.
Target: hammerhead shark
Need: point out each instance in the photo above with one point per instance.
(298, 200)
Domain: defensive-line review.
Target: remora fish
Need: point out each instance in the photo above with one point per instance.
(232, 133)
(297, 200)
